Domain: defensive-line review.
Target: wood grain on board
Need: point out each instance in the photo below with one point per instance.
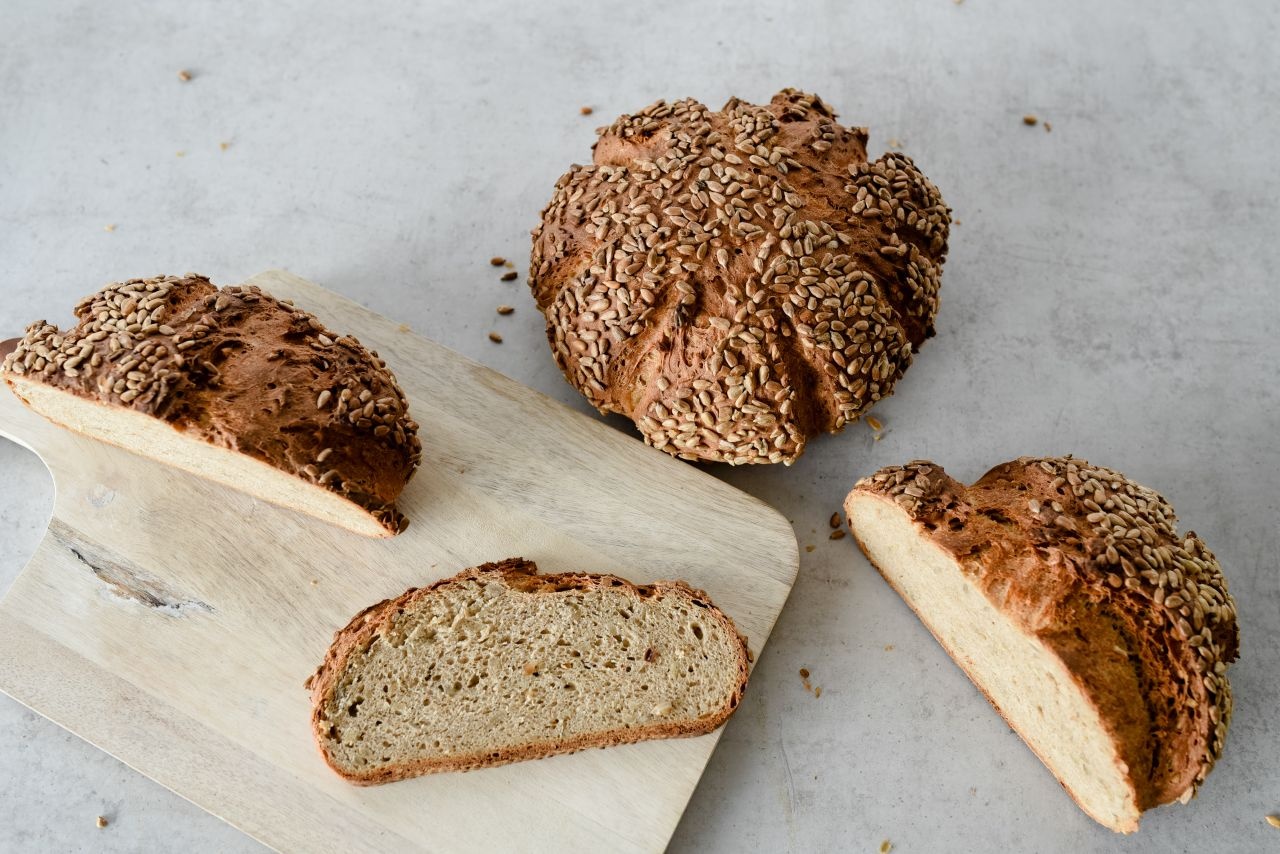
(171, 621)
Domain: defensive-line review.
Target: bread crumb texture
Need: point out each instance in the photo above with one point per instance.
(499, 664)
(241, 370)
(1089, 570)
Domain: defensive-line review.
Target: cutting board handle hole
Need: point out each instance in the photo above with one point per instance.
(25, 512)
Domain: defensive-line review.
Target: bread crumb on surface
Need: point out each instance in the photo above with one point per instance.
(835, 519)
(109, 227)
(888, 647)
(102, 821)
(1030, 120)
(586, 111)
(510, 276)
(809, 548)
(495, 338)
(837, 534)
(1047, 127)
(497, 260)
(804, 673)
(1273, 820)
(893, 142)
(223, 146)
(505, 309)
(184, 75)
(817, 692)
(182, 154)
(404, 327)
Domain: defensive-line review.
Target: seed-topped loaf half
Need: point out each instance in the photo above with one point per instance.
(219, 382)
(737, 282)
(1066, 592)
(498, 664)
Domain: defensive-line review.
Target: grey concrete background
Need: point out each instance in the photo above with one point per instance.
(1110, 292)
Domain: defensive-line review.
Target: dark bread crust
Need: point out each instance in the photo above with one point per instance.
(1092, 565)
(518, 574)
(241, 370)
(737, 282)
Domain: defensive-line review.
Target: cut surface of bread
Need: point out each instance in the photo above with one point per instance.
(1067, 595)
(131, 430)
(1030, 686)
(499, 664)
(233, 385)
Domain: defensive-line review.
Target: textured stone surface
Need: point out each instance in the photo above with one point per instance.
(1109, 292)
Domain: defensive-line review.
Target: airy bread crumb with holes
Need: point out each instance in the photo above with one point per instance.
(499, 664)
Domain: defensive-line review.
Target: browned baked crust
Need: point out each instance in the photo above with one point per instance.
(242, 370)
(521, 574)
(1092, 564)
(737, 282)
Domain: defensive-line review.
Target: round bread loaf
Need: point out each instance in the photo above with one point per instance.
(1068, 595)
(737, 282)
(236, 370)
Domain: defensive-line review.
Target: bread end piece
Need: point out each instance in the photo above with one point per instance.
(233, 385)
(520, 700)
(1067, 595)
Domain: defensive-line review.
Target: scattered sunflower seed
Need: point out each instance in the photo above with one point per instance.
(817, 691)
(1030, 120)
(835, 520)
(495, 338)
(837, 534)
(1273, 820)
(809, 548)
(804, 673)
(874, 423)
(497, 260)
(887, 846)
(505, 309)
(586, 111)
(184, 75)
(510, 276)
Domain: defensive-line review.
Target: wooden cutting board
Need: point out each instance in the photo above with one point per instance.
(171, 622)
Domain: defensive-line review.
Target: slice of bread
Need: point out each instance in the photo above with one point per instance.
(499, 664)
(1066, 593)
(232, 385)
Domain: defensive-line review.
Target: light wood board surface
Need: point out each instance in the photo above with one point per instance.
(172, 622)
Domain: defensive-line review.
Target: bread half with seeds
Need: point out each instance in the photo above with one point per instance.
(738, 281)
(499, 664)
(233, 385)
(1067, 594)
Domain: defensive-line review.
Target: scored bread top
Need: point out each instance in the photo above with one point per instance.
(739, 281)
(1093, 565)
(450, 634)
(240, 370)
